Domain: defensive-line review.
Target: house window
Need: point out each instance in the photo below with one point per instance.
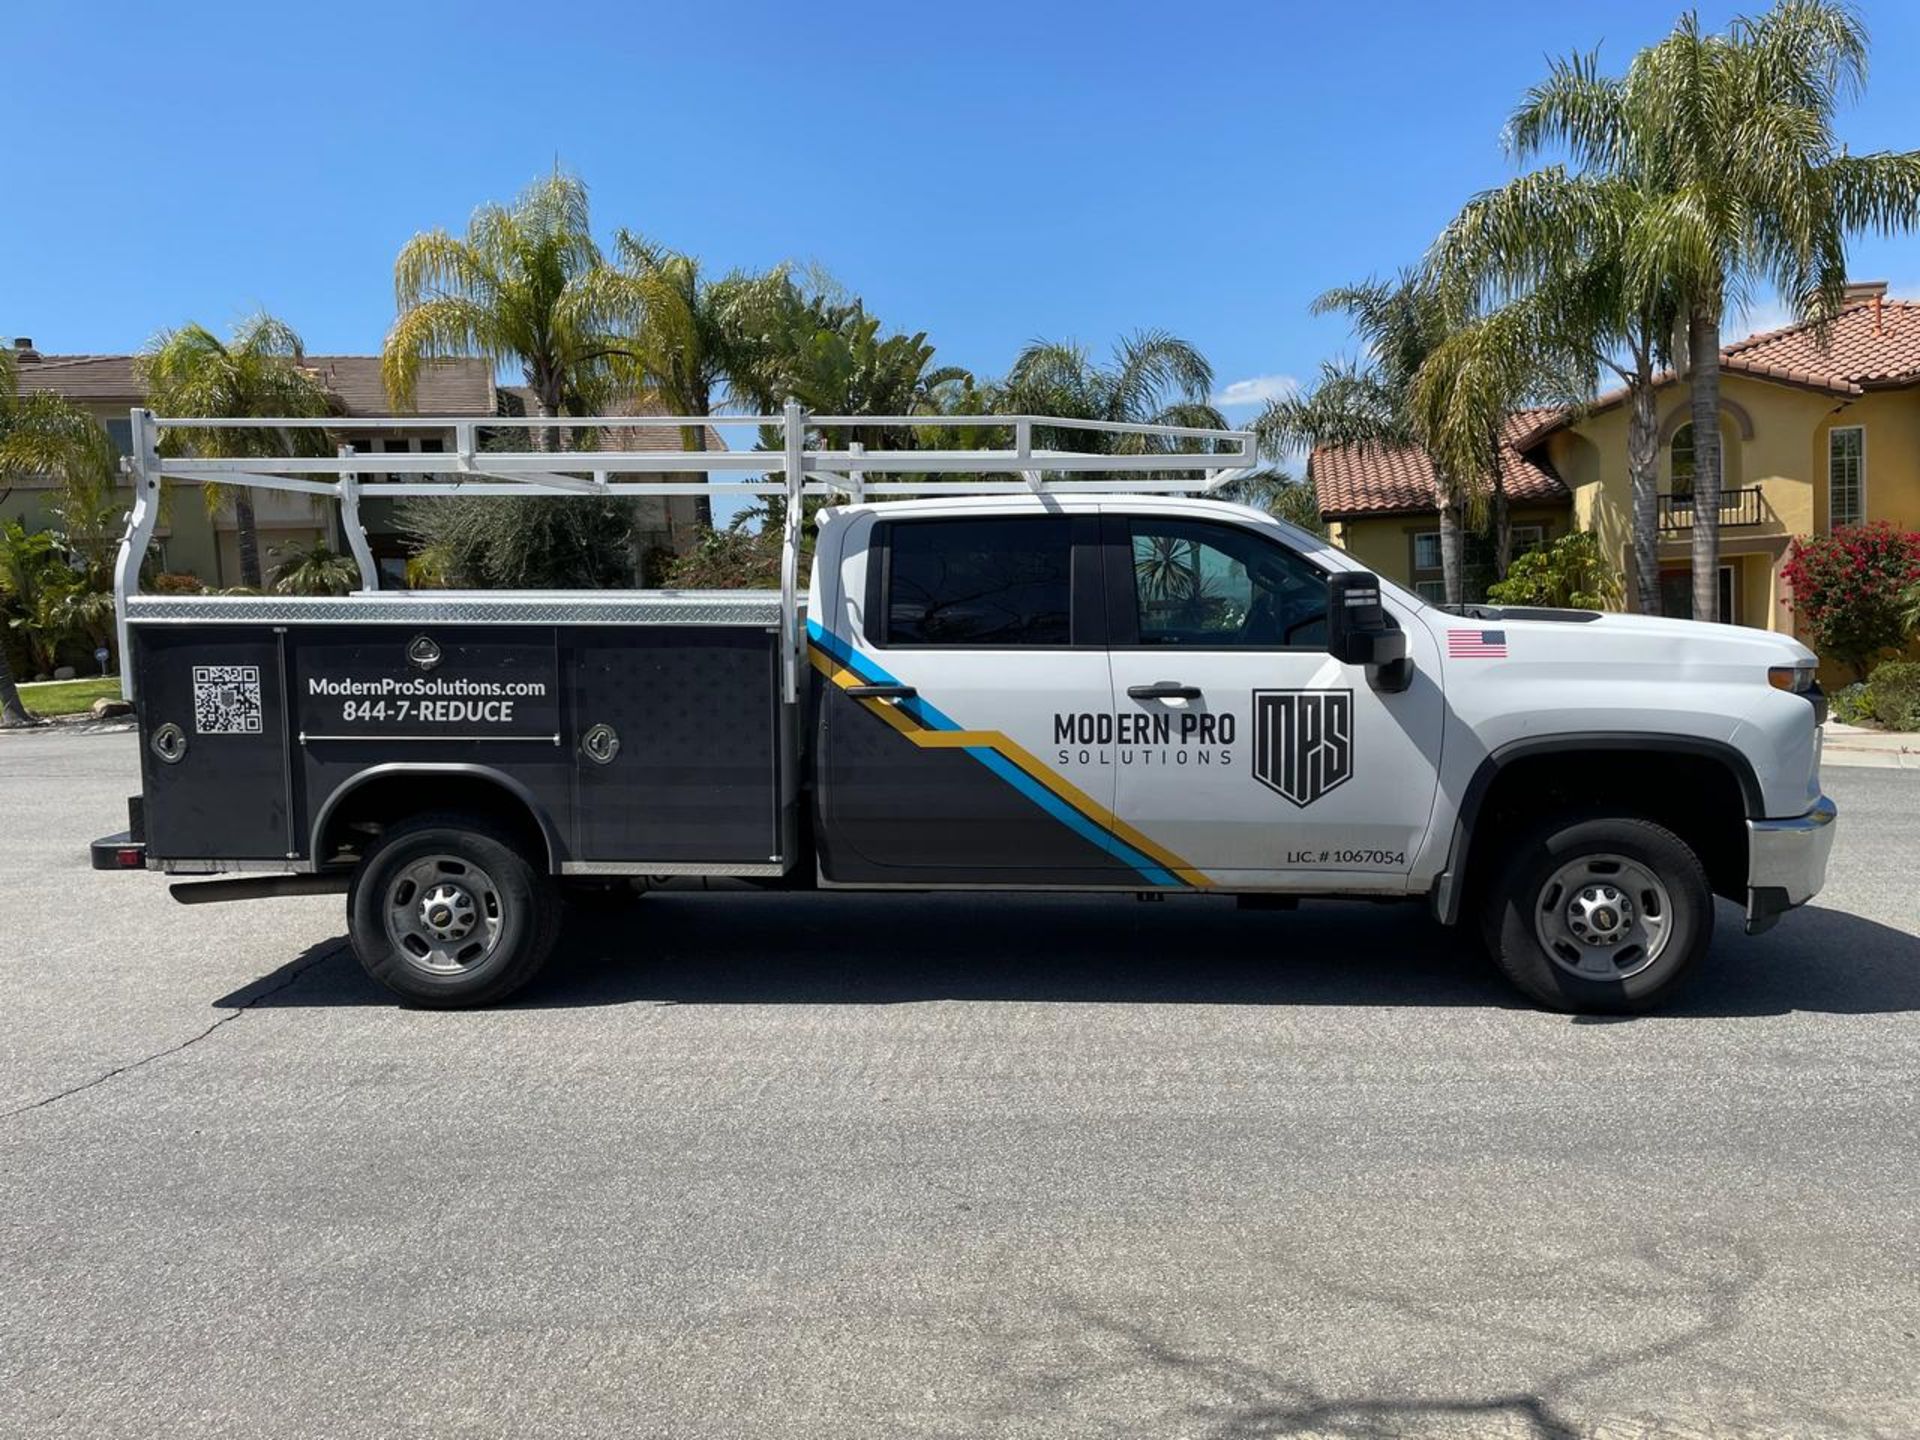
(1846, 476)
(1680, 457)
(1527, 538)
(1477, 553)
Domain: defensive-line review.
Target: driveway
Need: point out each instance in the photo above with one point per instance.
(860, 1166)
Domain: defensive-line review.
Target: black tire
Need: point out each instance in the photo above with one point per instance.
(1546, 890)
(512, 913)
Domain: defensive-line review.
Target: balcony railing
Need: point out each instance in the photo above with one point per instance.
(1737, 507)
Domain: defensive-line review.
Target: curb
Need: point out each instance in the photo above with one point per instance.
(1878, 749)
(1860, 757)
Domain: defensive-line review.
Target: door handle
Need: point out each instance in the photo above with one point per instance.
(1164, 690)
(882, 692)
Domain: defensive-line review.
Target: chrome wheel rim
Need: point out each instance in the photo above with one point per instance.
(443, 914)
(1603, 917)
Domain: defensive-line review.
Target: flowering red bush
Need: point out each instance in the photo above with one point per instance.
(1848, 590)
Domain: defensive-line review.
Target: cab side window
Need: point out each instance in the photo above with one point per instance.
(1217, 587)
(989, 582)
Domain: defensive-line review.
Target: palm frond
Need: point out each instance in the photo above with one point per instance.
(1575, 107)
(1878, 192)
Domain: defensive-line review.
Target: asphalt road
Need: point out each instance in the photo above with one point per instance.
(848, 1167)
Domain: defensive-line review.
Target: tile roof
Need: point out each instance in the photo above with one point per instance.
(82, 377)
(1872, 342)
(518, 400)
(447, 387)
(1372, 479)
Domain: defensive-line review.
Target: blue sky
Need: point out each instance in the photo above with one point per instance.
(988, 173)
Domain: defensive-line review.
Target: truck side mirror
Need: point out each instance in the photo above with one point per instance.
(1359, 632)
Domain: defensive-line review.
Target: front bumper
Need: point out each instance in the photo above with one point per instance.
(1787, 863)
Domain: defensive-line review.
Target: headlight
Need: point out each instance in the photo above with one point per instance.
(1796, 679)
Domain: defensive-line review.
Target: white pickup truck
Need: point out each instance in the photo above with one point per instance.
(1078, 686)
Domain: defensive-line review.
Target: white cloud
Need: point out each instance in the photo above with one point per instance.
(1256, 391)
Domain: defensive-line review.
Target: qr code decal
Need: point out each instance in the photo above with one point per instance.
(226, 700)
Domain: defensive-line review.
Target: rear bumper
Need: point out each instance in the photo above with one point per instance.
(119, 852)
(1787, 862)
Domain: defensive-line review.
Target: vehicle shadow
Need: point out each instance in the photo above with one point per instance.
(825, 949)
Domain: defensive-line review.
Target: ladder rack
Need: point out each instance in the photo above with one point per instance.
(1160, 459)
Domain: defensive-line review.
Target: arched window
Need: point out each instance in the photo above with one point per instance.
(1680, 451)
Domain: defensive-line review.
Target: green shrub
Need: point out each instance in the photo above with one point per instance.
(1572, 573)
(729, 560)
(1896, 694)
(530, 542)
(1851, 704)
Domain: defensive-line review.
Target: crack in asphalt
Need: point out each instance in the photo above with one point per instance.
(268, 992)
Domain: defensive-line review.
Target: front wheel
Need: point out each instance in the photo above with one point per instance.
(448, 912)
(1603, 915)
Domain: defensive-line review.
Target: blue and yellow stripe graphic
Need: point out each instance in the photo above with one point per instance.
(928, 727)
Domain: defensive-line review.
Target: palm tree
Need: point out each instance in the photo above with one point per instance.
(259, 372)
(819, 347)
(695, 338)
(1731, 139)
(316, 569)
(1152, 378)
(1557, 249)
(527, 285)
(1401, 323)
(1275, 491)
(1466, 391)
(44, 434)
(847, 367)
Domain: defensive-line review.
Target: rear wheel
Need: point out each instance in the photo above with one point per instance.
(446, 911)
(1601, 915)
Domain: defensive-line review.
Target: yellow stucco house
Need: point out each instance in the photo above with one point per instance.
(1815, 432)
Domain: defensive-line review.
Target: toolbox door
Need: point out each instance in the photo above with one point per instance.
(213, 743)
(676, 745)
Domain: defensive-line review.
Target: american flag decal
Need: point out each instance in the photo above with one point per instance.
(1477, 644)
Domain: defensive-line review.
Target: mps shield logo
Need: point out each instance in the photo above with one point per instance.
(1302, 741)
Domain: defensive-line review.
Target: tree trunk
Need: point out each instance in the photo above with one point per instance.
(694, 437)
(1502, 529)
(248, 534)
(1452, 580)
(1643, 472)
(13, 710)
(546, 397)
(1703, 351)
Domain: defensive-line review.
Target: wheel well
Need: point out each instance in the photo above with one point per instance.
(359, 816)
(1697, 796)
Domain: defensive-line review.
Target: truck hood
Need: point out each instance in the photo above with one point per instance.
(1577, 637)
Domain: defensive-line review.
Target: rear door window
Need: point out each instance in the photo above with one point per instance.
(1002, 581)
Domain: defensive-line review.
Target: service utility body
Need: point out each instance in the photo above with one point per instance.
(1051, 668)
